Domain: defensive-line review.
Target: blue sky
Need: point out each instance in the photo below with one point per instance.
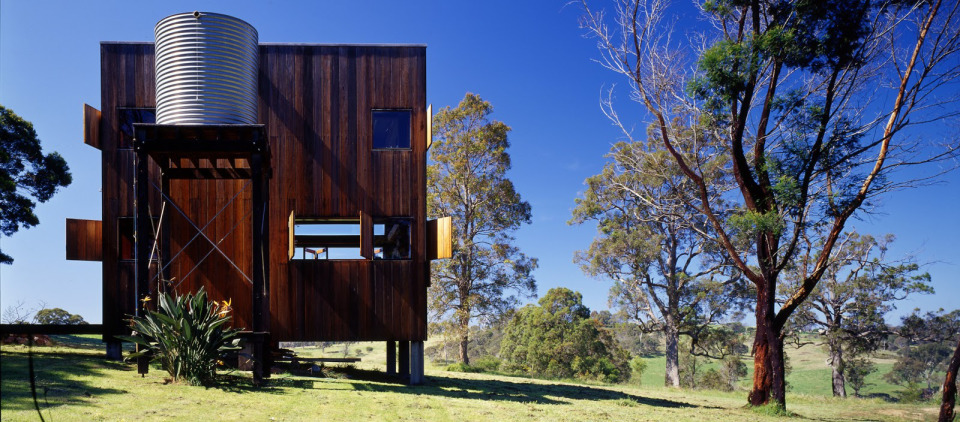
(528, 59)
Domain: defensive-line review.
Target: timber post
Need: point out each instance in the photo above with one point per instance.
(391, 357)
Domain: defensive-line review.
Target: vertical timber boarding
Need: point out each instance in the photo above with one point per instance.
(316, 102)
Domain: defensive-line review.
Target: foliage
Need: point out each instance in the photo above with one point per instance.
(718, 342)
(25, 173)
(187, 335)
(857, 290)
(912, 393)
(462, 367)
(690, 364)
(667, 273)
(931, 338)
(723, 344)
(58, 316)
(558, 339)
(481, 364)
(732, 369)
(856, 371)
(712, 379)
(805, 104)
(487, 363)
(637, 366)
(467, 181)
(484, 340)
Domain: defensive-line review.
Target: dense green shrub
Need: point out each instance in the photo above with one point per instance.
(558, 339)
(711, 379)
(638, 365)
(487, 363)
(462, 367)
(186, 335)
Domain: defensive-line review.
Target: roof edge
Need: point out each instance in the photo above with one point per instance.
(293, 44)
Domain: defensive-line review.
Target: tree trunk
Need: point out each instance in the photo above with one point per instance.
(464, 339)
(672, 376)
(768, 368)
(837, 364)
(950, 388)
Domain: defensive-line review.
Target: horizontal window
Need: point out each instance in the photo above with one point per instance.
(326, 239)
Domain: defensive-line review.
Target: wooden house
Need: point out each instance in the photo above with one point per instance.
(312, 222)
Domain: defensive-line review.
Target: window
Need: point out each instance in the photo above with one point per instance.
(391, 238)
(126, 241)
(391, 129)
(130, 115)
(326, 239)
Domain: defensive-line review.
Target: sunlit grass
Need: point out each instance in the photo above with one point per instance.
(76, 383)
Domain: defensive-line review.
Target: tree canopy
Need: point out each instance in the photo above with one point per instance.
(58, 316)
(25, 173)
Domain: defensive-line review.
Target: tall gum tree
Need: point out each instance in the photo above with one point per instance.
(467, 181)
(810, 101)
(667, 273)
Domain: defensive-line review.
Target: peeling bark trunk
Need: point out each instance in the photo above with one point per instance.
(672, 376)
(950, 388)
(762, 380)
(837, 365)
(768, 362)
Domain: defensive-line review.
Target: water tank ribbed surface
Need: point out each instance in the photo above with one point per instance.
(206, 70)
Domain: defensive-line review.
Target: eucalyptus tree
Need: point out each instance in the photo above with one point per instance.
(860, 286)
(667, 274)
(467, 181)
(809, 101)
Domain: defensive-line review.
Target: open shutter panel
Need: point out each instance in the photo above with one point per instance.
(429, 125)
(366, 235)
(84, 240)
(290, 235)
(91, 126)
(440, 238)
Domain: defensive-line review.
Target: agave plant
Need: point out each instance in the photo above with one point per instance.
(187, 335)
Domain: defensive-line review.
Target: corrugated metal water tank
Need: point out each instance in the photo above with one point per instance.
(206, 70)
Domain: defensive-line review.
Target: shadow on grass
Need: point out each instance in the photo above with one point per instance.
(882, 396)
(520, 391)
(60, 377)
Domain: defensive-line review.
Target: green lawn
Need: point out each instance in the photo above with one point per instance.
(75, 382)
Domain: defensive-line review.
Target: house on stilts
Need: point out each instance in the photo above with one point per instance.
(289, 179)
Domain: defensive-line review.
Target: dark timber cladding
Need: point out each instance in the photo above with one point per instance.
(316, 103)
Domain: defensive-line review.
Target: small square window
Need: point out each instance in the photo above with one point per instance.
(391, 129)
(391, 238)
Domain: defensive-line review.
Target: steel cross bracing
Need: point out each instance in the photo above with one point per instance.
(199, 234)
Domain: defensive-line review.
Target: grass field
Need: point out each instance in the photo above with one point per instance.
(75, 382)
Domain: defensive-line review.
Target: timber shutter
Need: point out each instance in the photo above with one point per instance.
(84, 240)
(440, 238)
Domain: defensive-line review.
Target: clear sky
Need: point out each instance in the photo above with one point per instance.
(528, 58)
